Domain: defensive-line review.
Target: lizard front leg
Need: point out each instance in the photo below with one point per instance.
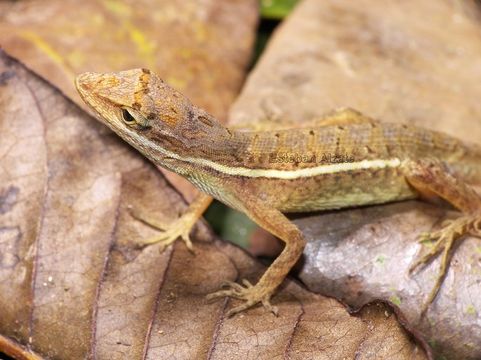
(433, 178)
(181, 227)
(276, 223)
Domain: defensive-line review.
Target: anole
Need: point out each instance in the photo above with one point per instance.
(342, 160)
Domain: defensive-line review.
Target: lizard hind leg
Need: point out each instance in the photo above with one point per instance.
(433, 178)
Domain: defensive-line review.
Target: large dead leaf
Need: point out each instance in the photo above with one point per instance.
(411, 61)
(74, 285)
(202, 48)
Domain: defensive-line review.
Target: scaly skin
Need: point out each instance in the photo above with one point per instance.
(344, 159)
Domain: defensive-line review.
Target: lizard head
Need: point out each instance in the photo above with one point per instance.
(134, 98)
(144, 111)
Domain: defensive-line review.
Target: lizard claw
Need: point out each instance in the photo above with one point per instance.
(251, 294)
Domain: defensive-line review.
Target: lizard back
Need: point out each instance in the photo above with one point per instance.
(327, 167)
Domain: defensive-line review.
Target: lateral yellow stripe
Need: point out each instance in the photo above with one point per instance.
(298, 173)
(285, 174)
(275, 173)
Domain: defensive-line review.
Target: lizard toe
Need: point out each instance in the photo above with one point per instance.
(250, 294)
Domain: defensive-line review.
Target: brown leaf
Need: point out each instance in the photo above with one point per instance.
(74, 285)
(406, 61)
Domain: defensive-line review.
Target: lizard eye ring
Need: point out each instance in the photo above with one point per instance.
(127, 117)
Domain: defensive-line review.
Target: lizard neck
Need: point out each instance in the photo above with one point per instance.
(193, 142)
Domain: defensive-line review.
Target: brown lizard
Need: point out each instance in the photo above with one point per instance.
(344, 159)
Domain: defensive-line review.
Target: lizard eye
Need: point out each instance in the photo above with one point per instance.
(127, 117)
(134, 118)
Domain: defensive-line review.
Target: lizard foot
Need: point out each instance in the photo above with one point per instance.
(444, 239)
(251, 294)
(181, 227)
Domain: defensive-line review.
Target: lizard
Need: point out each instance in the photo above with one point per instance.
(344, 159)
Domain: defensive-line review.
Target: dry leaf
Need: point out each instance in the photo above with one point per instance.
(74, 285)
(407, 61)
